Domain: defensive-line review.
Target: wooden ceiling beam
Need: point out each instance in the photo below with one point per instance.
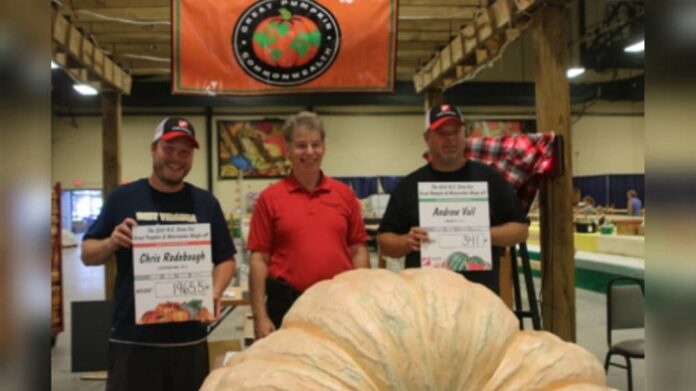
(119, 3)
(104, 27)
(154, 38)
(142, 14)
(418, 45)
(163, 13)
(438, 3)
(432, 25)
(476, 45)
(417, 12)
(88, 64)
(413, 36)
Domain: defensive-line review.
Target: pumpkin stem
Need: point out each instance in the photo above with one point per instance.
(285, 14)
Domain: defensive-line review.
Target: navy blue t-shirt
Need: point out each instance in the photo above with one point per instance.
(140, 201)
(504, 206)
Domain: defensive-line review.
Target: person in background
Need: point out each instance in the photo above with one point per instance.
(634, 205)
(304, 229)
(167, 356)
(588, 205)
(400, 233)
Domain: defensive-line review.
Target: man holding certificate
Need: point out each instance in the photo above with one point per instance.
(305, 228)
(174, 259)
(452, 212)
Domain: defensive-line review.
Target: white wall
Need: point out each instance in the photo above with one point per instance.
(77, 150)
(605, 144)
(356, 146)
(367, 144)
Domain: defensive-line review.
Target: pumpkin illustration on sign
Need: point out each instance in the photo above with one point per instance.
(168, 312)
(286, 41)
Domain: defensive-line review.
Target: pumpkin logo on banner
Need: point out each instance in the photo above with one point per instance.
(286, 42)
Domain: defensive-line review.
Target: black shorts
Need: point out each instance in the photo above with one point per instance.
(280, 296)
(151, 368)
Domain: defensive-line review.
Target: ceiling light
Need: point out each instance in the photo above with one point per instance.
(54, 65)
(636, 47)
(574, 72)
(85, 89)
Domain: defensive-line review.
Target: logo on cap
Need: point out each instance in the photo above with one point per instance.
(183, 124)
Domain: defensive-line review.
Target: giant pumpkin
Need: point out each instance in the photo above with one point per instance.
(421, 329)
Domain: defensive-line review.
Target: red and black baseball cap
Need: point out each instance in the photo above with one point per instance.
(439, 115)
(175, 127)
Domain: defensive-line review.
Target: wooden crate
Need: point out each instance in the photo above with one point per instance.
(57, 313)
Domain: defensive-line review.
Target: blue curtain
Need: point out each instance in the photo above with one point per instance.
(389, 183)
(611, 189)
(595, 186)
(620, 184)
(362, 186)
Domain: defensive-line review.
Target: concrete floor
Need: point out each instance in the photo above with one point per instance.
(86, 283)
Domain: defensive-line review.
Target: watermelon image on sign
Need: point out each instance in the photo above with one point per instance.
(475, 263)
(286, 41)
(457, 261)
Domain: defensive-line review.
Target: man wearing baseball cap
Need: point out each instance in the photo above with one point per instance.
(172, 356)
(399, 231)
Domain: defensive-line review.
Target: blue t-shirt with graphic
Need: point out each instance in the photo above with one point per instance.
(141, 202)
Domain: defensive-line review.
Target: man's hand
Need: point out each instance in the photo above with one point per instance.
(415, 236)
(100, 251)
(122, 235)
(262, 326)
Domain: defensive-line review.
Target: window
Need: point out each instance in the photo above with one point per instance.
(85, 206)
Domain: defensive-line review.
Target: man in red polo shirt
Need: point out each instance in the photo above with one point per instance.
(305, 228)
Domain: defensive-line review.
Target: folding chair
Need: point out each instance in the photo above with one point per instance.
(625, 298)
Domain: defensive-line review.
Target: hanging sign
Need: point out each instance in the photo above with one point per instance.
(248, 47)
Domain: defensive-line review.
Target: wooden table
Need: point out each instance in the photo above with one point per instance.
(231, 299)
(236, 297)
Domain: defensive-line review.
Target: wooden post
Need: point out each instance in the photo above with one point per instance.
(556, 217)
(111, 165)
(432, 97)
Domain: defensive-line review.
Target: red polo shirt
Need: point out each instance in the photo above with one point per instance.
(307, 235)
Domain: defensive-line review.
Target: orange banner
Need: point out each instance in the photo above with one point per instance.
(247, 47)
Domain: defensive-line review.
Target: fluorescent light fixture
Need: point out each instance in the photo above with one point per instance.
(54, 65)
(85, 89)
(636, 47)
(575, 72)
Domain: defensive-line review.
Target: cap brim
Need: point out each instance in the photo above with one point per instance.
(172, 135)
(437, 124)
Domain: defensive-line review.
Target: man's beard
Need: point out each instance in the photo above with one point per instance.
(159, 170)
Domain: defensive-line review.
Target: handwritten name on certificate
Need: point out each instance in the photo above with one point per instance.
(172, 268)
(455, 214)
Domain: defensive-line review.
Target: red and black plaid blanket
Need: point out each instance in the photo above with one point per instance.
(522, 159)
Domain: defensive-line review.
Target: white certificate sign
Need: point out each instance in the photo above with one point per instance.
(172, 271)
(455, 214)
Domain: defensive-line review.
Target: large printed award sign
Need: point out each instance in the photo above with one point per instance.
(455, 215)
(172, 271)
